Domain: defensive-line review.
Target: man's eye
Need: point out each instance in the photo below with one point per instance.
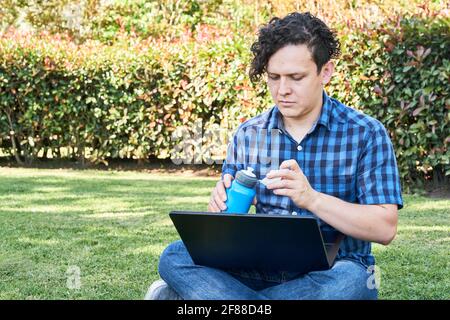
(274, 77)
(297, 78)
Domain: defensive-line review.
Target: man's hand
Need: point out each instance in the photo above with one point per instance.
(293, 184)
(219, 195)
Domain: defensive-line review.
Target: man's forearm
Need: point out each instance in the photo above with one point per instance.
(377, 223)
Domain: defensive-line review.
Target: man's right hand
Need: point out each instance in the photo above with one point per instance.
(219, 195)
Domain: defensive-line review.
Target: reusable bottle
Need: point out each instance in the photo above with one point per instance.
(242, 191)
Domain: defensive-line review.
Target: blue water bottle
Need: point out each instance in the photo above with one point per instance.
(242, 191)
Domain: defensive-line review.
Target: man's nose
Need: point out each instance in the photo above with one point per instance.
(285, 87)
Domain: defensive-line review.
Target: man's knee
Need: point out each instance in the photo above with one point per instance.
(352, 282)
(173, 255)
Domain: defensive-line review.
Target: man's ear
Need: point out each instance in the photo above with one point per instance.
(327, 72)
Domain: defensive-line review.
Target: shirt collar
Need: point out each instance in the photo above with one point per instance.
(276, 121)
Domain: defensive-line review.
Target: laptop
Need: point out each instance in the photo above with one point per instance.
(256, 241)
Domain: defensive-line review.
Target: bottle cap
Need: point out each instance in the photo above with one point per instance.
(246, 177)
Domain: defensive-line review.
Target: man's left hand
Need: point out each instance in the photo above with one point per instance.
(293, 184)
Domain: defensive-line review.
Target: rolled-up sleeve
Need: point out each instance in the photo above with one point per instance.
(378, 180)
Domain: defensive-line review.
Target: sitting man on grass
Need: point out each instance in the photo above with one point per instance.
(342, 171)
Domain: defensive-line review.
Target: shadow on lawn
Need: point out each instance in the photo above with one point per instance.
(136, 194)
(77, 212)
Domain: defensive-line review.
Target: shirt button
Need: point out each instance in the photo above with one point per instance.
(299, 148)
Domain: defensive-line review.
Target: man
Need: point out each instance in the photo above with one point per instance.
(334, 162)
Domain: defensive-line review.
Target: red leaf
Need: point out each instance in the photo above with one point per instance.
(422, 101)
(377, 90)
(426, 53)
(417, 111)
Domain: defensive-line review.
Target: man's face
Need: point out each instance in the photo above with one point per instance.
(293, 81)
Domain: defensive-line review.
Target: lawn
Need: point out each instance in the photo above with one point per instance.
(111, 227)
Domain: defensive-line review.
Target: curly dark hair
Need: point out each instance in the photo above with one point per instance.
(295, 28)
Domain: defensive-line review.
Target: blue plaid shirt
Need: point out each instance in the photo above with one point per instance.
(346, 154)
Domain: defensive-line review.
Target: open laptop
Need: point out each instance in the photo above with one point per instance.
(256, 241)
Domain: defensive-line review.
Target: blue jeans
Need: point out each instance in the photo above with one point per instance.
(347, 279)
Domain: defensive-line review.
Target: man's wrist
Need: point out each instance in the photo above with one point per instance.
(314, 201)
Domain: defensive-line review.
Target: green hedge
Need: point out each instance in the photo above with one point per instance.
(97, 102)
(93, 101)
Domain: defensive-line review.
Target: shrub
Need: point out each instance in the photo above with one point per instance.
(93, 100)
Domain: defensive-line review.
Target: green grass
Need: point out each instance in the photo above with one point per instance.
(114, 225)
